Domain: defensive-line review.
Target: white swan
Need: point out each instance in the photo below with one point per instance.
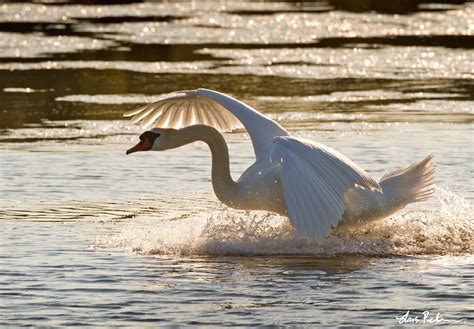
(312, 184)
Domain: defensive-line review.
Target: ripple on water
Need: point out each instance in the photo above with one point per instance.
(216, 25)
(402, 63)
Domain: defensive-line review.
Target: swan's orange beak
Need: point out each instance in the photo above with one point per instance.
(143, 145)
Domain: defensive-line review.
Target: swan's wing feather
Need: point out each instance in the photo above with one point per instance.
(180, 109)
(314, 180)
(208, 107)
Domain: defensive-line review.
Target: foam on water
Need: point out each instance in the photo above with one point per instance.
(447, 228)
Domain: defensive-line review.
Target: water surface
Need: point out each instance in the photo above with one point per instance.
(94, 237)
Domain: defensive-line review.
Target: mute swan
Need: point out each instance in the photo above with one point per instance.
(315, 186)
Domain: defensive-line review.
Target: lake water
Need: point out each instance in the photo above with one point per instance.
(93, 237)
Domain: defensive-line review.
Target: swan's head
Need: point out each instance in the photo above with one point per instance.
(155, 140)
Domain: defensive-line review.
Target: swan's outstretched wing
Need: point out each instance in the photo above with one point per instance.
(208, 107)
(314, 179)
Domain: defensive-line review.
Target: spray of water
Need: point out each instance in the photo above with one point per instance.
(446, 228)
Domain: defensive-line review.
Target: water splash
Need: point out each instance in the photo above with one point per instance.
(447, 228)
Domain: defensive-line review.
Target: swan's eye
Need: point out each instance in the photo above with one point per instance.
(151, 136)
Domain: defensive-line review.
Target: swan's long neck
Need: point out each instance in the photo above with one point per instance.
(222, 182)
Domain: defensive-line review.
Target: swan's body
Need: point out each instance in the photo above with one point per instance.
(312, 184)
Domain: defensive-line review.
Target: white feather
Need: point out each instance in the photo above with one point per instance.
(314, 179)
(202, 106)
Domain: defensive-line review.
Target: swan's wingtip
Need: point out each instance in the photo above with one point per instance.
(129, 113)
(428, 161)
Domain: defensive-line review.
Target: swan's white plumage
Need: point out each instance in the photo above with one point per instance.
(202, 106)
(314, 180)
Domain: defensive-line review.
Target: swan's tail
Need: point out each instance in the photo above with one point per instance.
(399, 188)
(412, 184)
